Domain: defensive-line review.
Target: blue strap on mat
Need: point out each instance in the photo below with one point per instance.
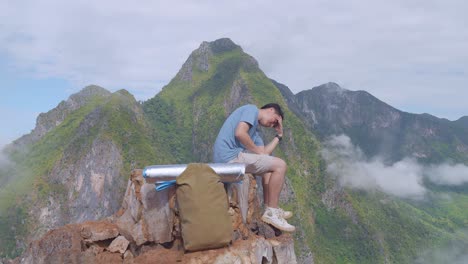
(159, 186)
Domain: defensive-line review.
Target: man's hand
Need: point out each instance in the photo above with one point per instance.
(279, 127)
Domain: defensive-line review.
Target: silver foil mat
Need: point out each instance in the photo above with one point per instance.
(228, 172)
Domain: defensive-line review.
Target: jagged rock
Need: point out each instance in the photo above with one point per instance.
(239, 95)
(157, 215)
(87, 182)
(108, 257)
(185, 73)
(265, 230)
(334, 197)
(120, 244)
(94, 250)
(145, 215)
(255, 250)
(93, 231)
(202, 56)
(262, 251)
(199, 58)
(128, 257)
(283, 251)
(63, 245)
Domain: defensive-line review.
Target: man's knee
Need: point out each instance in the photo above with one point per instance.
(280, 164)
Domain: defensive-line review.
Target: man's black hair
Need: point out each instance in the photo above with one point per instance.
(276, 107)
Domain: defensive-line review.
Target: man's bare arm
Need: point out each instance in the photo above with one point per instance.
(268, 149)
(242, 134)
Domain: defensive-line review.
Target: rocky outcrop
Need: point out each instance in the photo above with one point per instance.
(199, 60)
(238, 95)
(335, 197)
(87, 185)
(146, 230)
(146, 215)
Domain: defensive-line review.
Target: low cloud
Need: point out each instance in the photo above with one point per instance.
(403, 179)
(448, 174)
(6, 165)
(454, 252)
(348, 163)
(4, 160)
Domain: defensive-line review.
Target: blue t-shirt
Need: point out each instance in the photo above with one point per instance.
(226, 146)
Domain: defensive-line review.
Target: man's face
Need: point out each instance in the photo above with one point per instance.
(271, 120)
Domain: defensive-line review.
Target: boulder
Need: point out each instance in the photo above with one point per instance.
(120, 244)
(93, 231)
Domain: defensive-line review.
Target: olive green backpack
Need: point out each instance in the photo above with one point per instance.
(203, 208)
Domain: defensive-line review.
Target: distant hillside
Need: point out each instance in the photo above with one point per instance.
(378, 128)
(463, 122)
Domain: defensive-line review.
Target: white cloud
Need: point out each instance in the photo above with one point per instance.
(404, 178)
(410, 54)
(448, 174)
(348, 164)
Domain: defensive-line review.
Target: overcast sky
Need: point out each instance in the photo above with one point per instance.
(411, 54)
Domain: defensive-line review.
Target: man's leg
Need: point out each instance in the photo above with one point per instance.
(265, 181)
(273, 170)
(275, 182)
(266, 197)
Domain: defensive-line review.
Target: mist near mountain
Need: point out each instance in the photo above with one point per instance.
(4, 160)
(454, 252)
(448, 174)
(404, 178)
(5, 164)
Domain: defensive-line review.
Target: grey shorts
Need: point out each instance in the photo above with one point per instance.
(258, 164)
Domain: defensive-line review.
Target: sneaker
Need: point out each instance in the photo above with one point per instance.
(273, 217)
(285, 214)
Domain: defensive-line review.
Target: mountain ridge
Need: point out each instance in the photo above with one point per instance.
(47, 121)
(378, 128)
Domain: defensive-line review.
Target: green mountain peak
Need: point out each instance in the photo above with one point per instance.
(222, 45)
(209, 54)
(92, 90)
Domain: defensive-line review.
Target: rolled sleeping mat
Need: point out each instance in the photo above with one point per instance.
(228, 172)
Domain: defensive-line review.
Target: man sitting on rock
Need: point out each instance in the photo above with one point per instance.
(239, 141)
